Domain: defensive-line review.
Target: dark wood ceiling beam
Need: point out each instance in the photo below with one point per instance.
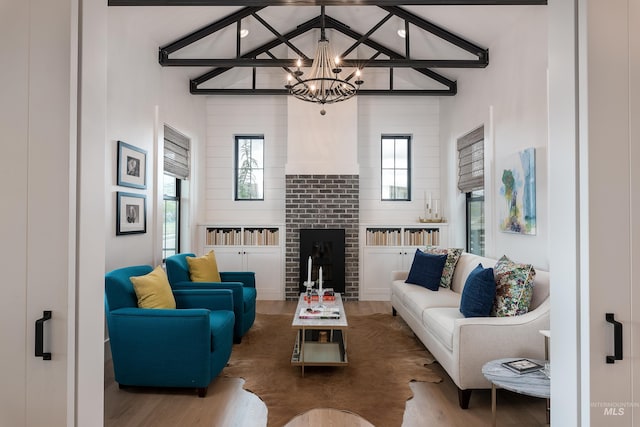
(344, 63)
(436, 30)
(367, 35)
(324, 2)
(387, 51)
(408, 92)
(301, 29)
(209, 29)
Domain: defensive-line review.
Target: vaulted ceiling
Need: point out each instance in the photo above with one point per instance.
(364, 34)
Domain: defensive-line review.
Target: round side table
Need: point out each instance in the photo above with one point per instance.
(534, 384)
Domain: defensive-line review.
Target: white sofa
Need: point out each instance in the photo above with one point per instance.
(463, 345)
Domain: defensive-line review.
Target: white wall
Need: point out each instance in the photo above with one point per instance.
(415, 116)
(227, 117)
(509, 98)
(142, 97)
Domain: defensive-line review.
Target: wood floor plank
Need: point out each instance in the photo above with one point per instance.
(228, 404)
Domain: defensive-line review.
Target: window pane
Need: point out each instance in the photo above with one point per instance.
(169, 186)
(257, 151)
(475, 222)
(169, 228)
(402, 185)
(402, 153)
(387, 184)
(257, 191)
(388, 153)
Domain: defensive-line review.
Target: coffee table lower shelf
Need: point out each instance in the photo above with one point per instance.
(308, 352)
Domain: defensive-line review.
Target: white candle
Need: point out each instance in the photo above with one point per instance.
(430, 205)
(320, 281)
(436, 208)
(309, 271)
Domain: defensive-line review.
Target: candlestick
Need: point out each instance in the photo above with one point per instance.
(309, 270)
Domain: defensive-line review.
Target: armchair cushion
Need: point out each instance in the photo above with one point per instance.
(153, 290)
(204, 268)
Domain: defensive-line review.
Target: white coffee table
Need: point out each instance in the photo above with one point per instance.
(531, 384)
(311, 350)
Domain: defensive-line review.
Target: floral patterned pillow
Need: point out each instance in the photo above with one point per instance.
(514, 287)
(453, 255)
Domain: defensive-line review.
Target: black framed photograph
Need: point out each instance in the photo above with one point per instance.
(132, 166)
(131, 216)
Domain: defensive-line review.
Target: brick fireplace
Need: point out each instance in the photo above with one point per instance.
(322, 202)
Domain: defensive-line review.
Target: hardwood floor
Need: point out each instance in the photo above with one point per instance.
(227, 404)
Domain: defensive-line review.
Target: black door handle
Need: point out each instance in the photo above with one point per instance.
(46, 315)
(617, 338)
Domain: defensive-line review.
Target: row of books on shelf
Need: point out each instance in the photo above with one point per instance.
(383, 237)
(414, 237)
(422, 237)
(234, 236)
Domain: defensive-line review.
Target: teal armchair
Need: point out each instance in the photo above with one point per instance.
(241, 283)
(183, 347)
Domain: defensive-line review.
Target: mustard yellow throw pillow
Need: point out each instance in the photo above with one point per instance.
(153, 290)
(204, 268)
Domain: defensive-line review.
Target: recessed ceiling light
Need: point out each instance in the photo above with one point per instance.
(244, 33)
(402, 33)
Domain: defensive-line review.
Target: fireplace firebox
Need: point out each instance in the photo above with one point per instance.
(325, 246)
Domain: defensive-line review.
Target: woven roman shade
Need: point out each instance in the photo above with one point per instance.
(471, 161)
(176, 154)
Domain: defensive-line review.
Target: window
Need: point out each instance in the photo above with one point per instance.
(249, 168)
(396, 174)
(471, 183)
(171, 220)
(475, 222)
(176, 170)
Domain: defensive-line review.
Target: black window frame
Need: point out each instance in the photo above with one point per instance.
(470, 198)
(236, 169)
(408, 168)
(177, 199)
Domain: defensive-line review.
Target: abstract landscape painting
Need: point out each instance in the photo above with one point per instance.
(517, 210)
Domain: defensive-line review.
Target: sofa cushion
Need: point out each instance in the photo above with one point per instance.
(478, 293)
(440, 322)
(204, 268)
(426, 270)
(453, 255)
(514, 287)
(153, 290)
(416, 298)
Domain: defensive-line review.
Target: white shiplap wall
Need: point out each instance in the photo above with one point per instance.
(418, 117)
(230, 116)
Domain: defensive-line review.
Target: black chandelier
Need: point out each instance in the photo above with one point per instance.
(324, 85)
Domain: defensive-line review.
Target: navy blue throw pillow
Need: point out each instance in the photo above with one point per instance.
(478, 293)
(426, 270)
